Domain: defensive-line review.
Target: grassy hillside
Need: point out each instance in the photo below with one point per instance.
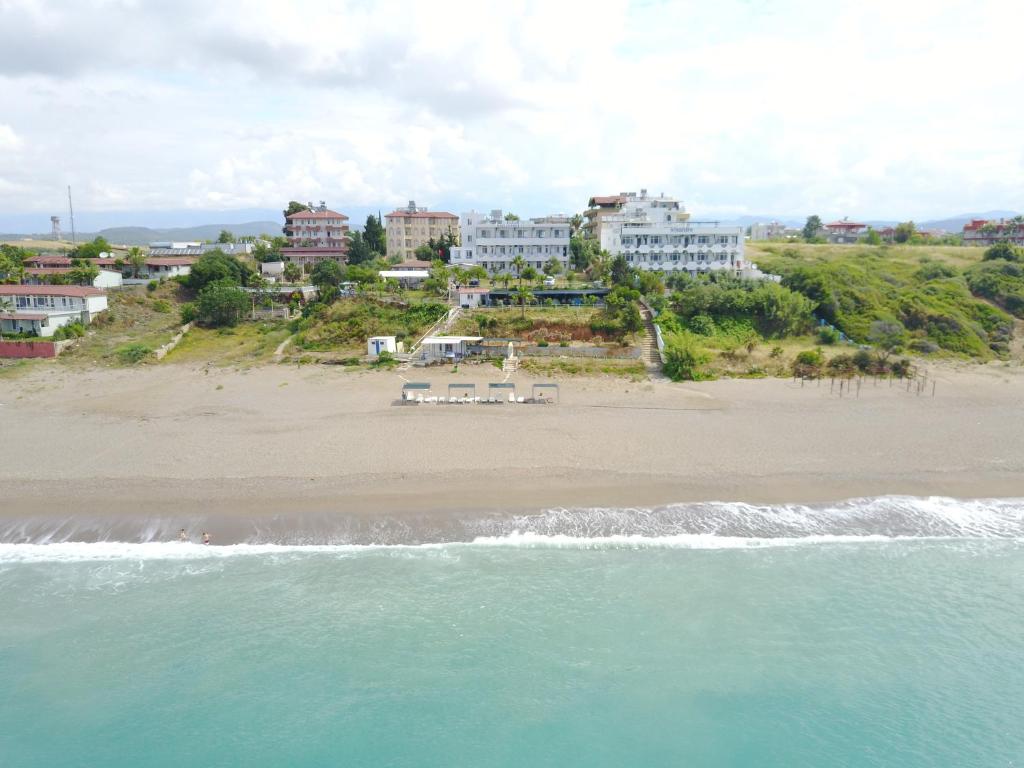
(923, 288)
(348, 323)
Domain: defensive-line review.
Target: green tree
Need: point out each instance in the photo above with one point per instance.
(529, 274)
(225, 237)
(504, 278)
(221, 304)
(519, 264)
(575, 223)
(326, 273)
(6, 308)
(511, 217)
(293, 207)
(888, 335)
(12, 262)
(91, 250)
(523, 295)
(137, 259)
(217, 266)
(375, 235)
(620, 271)
(442, 247)
(812, 228)
(872, 237)
(359, 251)
(904, 232)
(292, 272)
(552, 267)
(83, 275)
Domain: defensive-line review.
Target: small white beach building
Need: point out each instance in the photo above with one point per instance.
(471, 297)
(377, 344)
(436, 348)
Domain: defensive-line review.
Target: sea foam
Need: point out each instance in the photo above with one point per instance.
(710, 525)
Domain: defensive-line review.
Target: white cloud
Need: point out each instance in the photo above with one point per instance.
(862, 108)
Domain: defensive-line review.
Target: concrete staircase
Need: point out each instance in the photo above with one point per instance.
(649, 343)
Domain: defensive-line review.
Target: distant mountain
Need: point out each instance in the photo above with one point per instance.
(146, 235)
(956, 223)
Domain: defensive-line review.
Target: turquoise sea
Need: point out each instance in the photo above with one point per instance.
(841, 636)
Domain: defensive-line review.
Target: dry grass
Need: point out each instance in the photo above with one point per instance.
(249, 343)
(954, 255)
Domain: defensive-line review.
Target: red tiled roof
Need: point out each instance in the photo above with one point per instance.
(845, 225)
(607, 200)
(325, 251)
(50, 261)
(422, 215)
(412, 264)
(317, 215)
(48, 270)
(474, 290)
(171, 261)
(50, 290)
(22, 316)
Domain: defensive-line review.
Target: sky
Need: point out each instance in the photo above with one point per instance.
(868, 109)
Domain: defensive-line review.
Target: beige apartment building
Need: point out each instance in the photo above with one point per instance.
(410, 227)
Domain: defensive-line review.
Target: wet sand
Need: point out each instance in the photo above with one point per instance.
(299, 451)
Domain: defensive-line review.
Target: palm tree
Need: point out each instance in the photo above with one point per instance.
(520, 264)
(575, 223)
(524, 295)
(137, 259)
(504, 278)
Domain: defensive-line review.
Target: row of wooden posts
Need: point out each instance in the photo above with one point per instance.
(848, 386)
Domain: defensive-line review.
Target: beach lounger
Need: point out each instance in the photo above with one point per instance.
(521, 399)
(419, 399)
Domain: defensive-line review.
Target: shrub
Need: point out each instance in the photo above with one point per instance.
(221, 304)
(152, 285)
(902, 368)
(188, 312)
(863, 359)
(808, 364)
(842, 365)
(828, 335)
(70, 331)
(935, 270)
(563, 343)
(162, 305)
(133, 353)
(925, 346)
(776, 352)
(542, 343)
(702, 324)
(1004, 251)
(684, 361)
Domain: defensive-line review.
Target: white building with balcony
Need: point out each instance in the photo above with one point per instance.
(656, 233)
(489, 241)
(42, 309)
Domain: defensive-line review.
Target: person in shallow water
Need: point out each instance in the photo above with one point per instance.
(206, 538)
(182, 536)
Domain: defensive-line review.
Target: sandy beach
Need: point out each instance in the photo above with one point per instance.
(92, 453)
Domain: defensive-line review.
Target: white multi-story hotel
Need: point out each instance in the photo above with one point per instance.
(657, 233)
(488, 240)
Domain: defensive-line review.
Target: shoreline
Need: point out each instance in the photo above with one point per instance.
(306, 451)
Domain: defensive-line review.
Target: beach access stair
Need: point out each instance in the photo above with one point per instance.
(440, 328)
(649, 348)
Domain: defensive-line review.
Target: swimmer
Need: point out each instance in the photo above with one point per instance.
(182, 536)
(206, 538)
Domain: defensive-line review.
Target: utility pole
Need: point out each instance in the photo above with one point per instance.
(71, 210)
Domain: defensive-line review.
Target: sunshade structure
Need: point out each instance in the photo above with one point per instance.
(413, 389)
(498, 388)
(465, 390)
(540, 390)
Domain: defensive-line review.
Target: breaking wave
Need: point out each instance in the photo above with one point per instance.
(712, 525)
